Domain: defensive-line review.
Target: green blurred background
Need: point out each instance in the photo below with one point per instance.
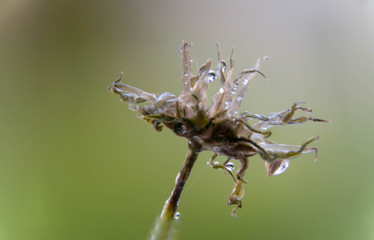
(75, 163)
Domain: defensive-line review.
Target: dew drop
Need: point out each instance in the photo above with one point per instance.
(211, 76)
(239, 99)
(282, 167)
(245, 81)
(223, 66)
(177, 215)
(221, 90)
(177, 178)
(234, 88)
(180, 129)
(216, 163)
(229, 166)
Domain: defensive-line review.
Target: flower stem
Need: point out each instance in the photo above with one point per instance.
(164, 225)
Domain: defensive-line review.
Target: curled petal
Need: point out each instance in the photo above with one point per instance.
(282, 151)
(235, 198)
(125, 91)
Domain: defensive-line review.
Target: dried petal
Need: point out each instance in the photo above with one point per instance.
(217, 128)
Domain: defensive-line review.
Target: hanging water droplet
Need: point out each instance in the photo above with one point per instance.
(282, 167)
(221, 90)
(177, 215)
(211, 76)
(239, 99)
(229, 166)
(245, 81)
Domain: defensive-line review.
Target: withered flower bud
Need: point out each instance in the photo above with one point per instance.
(217, 128)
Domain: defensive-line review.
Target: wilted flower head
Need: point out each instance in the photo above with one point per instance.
(219, 128)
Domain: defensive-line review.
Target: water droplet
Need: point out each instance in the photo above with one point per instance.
(223, 66)
(211, 76)
(177, 215)
(245, 81)
(282, 167)
(180, 128)
(221, 90)
(239, 99)
(234, 88)
(227, 105)
(229, 166)
(177, 178)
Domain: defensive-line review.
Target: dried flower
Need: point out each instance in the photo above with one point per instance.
(217, 128)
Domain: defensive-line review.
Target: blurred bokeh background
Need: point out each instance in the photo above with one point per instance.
(75, 163)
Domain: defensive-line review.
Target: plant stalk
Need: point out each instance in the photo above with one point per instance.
(164, 225)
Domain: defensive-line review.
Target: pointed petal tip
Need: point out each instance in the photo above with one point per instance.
(120, 77)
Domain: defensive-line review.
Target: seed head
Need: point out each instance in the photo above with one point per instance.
(218, 127)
